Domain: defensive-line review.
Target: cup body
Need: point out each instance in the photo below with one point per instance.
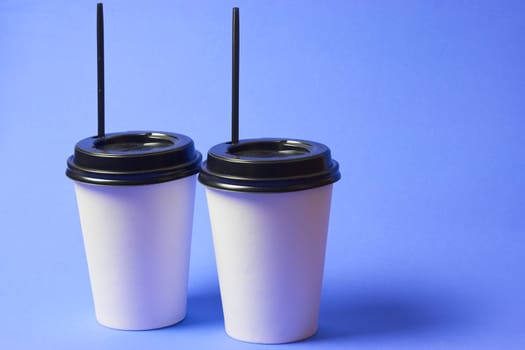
(137, 243)
(270, 250)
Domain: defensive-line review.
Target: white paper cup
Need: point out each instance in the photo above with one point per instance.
(137, 243)
(270, 250)
(269, 206)
(135, 195)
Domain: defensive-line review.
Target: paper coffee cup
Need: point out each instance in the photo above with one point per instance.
(269, 205)
(135, 195)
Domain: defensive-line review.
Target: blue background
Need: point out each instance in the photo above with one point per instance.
(421, 102)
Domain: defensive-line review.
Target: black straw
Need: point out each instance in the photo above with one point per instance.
(235, 75)
(100, 70)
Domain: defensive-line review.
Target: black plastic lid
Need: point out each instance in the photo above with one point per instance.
(133, 158)
(269, 165)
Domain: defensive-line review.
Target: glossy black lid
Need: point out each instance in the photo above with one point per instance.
(269, 165)
(133, 158)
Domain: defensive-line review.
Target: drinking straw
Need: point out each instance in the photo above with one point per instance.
(235, 76)
(100, 70)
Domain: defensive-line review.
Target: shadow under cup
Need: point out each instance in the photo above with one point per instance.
(269, 205)
(135, 194)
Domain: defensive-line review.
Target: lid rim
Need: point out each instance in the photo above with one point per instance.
(270, 184)
(268, 187)
(195, 163)
(133, 179)
(333, 169)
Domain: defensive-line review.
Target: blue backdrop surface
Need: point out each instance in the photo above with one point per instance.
(421, 102)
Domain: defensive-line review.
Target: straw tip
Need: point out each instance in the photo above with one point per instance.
(235, 9)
